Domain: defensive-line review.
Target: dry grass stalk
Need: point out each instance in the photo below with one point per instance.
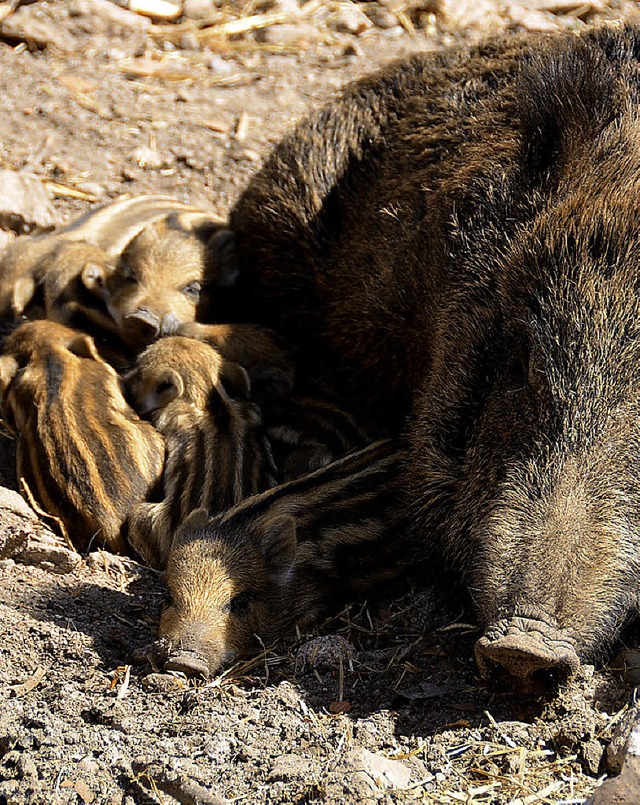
(41, 513)
(30, 684)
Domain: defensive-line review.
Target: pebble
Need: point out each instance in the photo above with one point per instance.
(30, 24)
(623, 737)
(326, 651)
(162, 683)
(109, 13)
(148, 158)
(198, 9)
(623, 753)
(297, 33)
(350, 21)
(377, 771)
(24, 202)
(291, 767)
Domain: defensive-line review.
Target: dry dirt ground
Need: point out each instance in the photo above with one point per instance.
(387, 707)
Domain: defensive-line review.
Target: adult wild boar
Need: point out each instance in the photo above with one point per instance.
(458, 235)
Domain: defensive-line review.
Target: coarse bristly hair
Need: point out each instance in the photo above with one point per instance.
(283, 557)
(457, 235)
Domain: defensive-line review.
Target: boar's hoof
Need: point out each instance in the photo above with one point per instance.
(532, 651)
(189, 663)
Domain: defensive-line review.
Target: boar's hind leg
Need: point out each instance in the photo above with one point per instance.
(530, 648)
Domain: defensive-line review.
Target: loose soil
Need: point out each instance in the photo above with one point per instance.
(385, 706)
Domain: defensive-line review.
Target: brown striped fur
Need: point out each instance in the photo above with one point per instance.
(266, 356)
(108, 228)
(83, 452)
(164, 276)
(309, 432)
(216, 453)
(280, 558)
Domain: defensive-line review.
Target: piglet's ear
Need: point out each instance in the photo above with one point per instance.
(8, 369)
(191, 528)
(169, 386)
(279, 543)
(94, 278)
(23, 292)
(84, 347)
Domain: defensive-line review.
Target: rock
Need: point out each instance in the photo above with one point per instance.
(326, 652)
(623, 738)
(198, 9)
(24, 203)
(377, 771)
(162, 683)
(25, 539)
(622, 790)
(160, 10)
(591, 753)
(50, 553)
(350, 20)
(34, 25)
(479, 15)
(291, 767)
(111, 14)
(298, 33)
(148, 157)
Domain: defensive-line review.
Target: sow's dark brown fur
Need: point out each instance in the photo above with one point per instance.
(458, 235)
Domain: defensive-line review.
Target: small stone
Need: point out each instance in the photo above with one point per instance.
(160, 10)
(299, 34)
(351, 21)
(626, 737)
(148, 158)
(327, 651)
(31, 24)
(98, 191)
(290, 767)
(189, 41)
(591, 753)
(111, 14)
(377, 771)
(382, 18)
(24, 203)
(198, 9)
(162, 683)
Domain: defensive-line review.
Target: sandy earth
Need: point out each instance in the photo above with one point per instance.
(388, 706)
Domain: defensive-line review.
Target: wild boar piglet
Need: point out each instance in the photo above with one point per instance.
(76, 258)
(165, 276)
(84, 454)
(243, 578)
(216, 451)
